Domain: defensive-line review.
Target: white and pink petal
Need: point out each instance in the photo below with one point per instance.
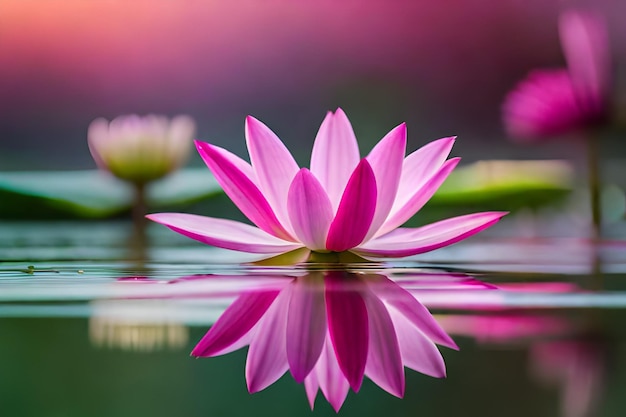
(238, 184)
(267, 356)
(223, 233)
(310, 211)
(417, 199)
(273, 166)
(335, 155)
(386, 161)
(306, 325)
(407, 242)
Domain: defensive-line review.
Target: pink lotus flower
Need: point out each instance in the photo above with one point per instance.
(330, 328)
(553, 102)
(343, 203)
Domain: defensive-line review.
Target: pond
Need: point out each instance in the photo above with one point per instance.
(91, 328)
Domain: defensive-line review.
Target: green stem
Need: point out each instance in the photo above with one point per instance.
(139, 211)
(593, 173)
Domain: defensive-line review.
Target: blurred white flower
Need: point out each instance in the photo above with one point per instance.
(141, 149)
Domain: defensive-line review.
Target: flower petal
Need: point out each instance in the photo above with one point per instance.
(419, 167)
(347, 326)
(311, 385)
(418, 352)
(384, 362)
(97, 139)
(544, 104)
(241, 188)
(273, 165)
(335, 154)
(306, 325)
(309, 210)
(223, 233)
(585, 43)
(235, 322)
(418, 198)
(356, 210)
(386, 160)
(267, 357)
(407, 242)
(332, 381)
(407, 305)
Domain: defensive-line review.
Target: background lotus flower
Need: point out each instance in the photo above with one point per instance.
(141, 149)
(553, 102)
(330, 329)
(343, 203)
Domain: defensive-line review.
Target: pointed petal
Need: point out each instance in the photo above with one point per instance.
(418, 198)
(235, 322)
(355, 212)
(407, 242)
(386, 160)
(585, 43)
(306, 325)
(267, 357)
(420, 166)
(241, 188)
(273, 165)
(309, 210)
(414, 311)
(333, 383)
(223, 233)
(311, 385)
(335, 155)
(384, 362)
(347, 326)
(418, 352)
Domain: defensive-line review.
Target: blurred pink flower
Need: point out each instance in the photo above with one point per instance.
(551, 102)
(343, 203)
(141, 149)
(329, 329)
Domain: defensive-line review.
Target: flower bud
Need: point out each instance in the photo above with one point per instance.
(141, 149)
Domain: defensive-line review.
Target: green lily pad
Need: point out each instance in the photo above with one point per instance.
(499, 185)
(485, 185)
(495, 182)
(93, 193)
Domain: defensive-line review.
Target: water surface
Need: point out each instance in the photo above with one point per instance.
(90, 329)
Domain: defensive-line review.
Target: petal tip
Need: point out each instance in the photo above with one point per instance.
(202, 147)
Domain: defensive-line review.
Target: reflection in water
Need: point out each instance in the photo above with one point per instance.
(115, 324)
(577, 368)
(329, 329)
(575, 364)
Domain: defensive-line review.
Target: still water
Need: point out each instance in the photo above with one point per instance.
(87, 330)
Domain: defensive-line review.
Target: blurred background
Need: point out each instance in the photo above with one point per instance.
(443, 67)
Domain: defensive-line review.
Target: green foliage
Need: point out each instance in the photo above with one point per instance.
(485, 185)
(93, 194)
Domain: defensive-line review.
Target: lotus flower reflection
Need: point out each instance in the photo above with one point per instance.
(330, 329)
(342, 203)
